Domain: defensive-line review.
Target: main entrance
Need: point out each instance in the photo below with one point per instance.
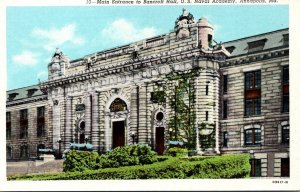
(160, 140)
(118, 134)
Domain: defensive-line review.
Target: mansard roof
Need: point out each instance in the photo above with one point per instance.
(23, 93)
(273, 40)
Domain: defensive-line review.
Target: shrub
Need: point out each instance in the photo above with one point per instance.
(81, 160)
(119, 157)
(226, 166)
(177, 152)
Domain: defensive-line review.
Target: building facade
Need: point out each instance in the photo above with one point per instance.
(179, 87)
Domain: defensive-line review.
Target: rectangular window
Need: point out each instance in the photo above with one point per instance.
(23, 124)
(8, 125)
(285, 167)
(206, 116)
(225, 82)
(225, 109)
(255, 168)
(206, 90)
(285, 89)
(225, 139)
(252, 93)
(41, 121)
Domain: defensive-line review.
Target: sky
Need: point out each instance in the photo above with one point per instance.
(33, 33)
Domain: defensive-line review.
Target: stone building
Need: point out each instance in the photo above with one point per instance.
(179, 87)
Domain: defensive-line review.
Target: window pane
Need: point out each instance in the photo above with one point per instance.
(285, 103)
(257, 79)
(248, 136)
(257, 136)
(257, 106)
(286, 134)
(248, 107)
(248, 80)
(225, 83)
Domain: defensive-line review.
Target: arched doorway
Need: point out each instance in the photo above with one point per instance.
(118, 126)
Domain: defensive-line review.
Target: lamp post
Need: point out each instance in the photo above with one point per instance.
(133, 134)
(59, 142)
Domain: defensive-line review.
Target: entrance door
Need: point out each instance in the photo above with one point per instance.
(285, 167)
(81, 138)
(160, 140)
(118, 134)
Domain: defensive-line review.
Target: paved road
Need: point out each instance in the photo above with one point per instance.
(25, 167)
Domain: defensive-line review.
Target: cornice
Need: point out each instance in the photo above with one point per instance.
(177, 55)
(255, 57)
(26, 100)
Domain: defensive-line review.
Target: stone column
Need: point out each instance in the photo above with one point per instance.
(217, 110)
(87, 131)
(95, 132)
(68, 128)
(142, 115)
(134, 111)
(56, 124)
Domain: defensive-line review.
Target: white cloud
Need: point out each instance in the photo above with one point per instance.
(56, 37)
(42, 75)
(123, 31)
(26, 58)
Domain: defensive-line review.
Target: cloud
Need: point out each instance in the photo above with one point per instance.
(27, 58)
(56, 37)
(123, 31)
(42, 75)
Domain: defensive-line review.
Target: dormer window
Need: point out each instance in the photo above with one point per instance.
(256, 45)
(30, 92)
(286, 39)
(230, 49)
(12, 96)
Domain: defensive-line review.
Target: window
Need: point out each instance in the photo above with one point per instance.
(24, 152)
(225, 109)
(255, 167)
(252, 136)
(225, 139)
(256, 45)
(158, 97)
(285, 167)
(209, 40)
(230, 49)
(8, 125)
(8, 152)
(12, 96)
(225, 79)
(286, 39)
(285, 89)
(30, 92)
(118, 105)
(252, 93)
(206, 115)
(206, 90)
(41, 121)
(285, 134)
(23, 124)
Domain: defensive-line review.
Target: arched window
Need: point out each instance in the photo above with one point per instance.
(118, 105)
(285, 134)
(253, 136)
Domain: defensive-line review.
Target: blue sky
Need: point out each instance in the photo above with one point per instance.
(33, 33)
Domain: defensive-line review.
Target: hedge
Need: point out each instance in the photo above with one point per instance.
(225, 167)
(119, 157)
